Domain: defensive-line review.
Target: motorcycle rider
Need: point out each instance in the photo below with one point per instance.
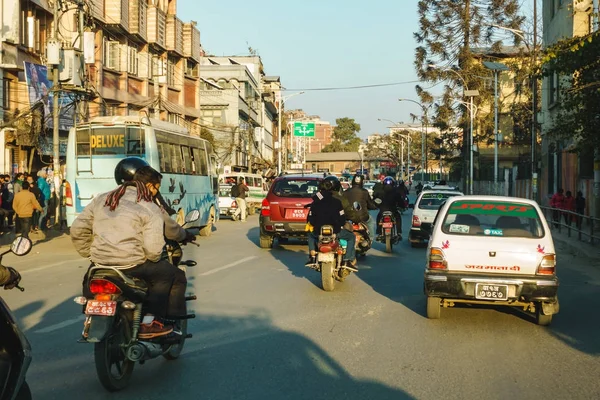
(328, 210)
(358, 194)
(9, 277)
(391, 198)
(124, 228)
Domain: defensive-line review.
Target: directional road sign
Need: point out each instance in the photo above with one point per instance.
(305, 129)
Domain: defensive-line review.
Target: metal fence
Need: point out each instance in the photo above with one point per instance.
(574, 223)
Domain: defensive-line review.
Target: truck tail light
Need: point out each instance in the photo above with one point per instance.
(547, 265)
(68, 194)
(265, 210)
(436, 259)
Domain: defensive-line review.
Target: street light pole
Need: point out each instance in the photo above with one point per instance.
(423, 134)
(408, 139)
(495, 128)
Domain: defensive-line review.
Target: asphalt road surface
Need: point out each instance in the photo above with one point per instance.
(265, 330)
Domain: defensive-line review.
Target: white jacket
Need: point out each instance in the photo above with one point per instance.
(127, 236)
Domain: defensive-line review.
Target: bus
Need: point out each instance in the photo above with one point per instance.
(188, 165)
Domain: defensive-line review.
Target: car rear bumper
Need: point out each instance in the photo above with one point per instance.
(520, 288)
(282, 228)
(417, 235)
(226, 210)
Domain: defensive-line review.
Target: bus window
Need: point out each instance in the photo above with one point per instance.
(110, 140)
(164, 156)
(200, 161)
(135, 141)
(187, 160)
(83, 142)
(176, 162)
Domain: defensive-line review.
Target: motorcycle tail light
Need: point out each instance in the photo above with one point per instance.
(436, 259)
(102, 286)
(265, 209)
(416, 221)
(547, 265)
(387, 218)
(325, 249)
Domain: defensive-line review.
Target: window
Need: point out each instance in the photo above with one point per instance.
(553, 89)
(6, 94)
(112, 55)
(191, 68)
(106, 141)
(296, 188)
(174, 118)
(176, 161)
(200, 161)
(132, 60)
(187, 161)
(165, 157)
(433, 201)
(171, 72)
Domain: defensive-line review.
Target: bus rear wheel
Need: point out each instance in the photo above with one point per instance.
(207, 229)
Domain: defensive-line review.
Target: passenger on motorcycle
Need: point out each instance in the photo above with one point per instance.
(358, 194)
(124, 228)
(327, 210)
(391, 198)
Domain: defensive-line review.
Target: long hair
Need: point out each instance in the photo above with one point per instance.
(112, 200)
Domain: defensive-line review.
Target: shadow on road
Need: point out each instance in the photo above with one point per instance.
(230, 357)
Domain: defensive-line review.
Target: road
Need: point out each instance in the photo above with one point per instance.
(265, 330)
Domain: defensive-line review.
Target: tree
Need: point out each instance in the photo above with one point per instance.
(205, 133)
(344, 136)
(448, 31)
(388, 147)
(576, 62)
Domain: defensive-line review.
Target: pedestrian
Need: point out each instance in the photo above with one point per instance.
(24, 205)
(240, 191)
(579, 208)
(63, 205)
(7, 199)
(18, 184)
(569, 206)
(558, 203)
(40, 199)
(45, 189)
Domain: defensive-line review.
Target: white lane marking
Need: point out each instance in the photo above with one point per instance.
(56, 264)
(61, 325)
(233, 264)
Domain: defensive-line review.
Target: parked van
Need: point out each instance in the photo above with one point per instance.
(257, 186)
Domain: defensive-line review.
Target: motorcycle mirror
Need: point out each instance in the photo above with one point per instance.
(21, 246)
(189, 263)
(357, 206)
(192, 216)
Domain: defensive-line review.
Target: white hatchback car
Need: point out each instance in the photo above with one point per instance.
(492, 250)
(424, 211)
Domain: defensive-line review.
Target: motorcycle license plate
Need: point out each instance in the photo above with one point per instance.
(326, 257)
(104, 308)
(388, 224)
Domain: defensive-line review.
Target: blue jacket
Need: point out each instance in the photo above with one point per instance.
(44, 188)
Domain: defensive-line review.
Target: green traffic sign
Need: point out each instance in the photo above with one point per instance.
(305, 129)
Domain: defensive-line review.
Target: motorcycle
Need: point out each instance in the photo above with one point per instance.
(330, 251)
(389, 230)
(113, 305)
(15, 350)
(363, 236)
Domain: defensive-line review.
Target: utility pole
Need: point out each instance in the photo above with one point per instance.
(534, 175)
(55, 116)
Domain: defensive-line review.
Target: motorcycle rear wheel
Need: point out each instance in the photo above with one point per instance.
(327, 279)
(114, 370)
(388, 243)
(24, 392)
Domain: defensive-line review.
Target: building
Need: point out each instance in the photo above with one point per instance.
(560, 167)
(335, 163)
(238, 106)
(323, 130)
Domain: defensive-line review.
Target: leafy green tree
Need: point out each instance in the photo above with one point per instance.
(345, 136)
(449, 30)
(388, 147)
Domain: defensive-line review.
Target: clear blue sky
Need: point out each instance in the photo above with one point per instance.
(322, 43)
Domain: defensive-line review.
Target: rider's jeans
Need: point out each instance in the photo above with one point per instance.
(344, 234)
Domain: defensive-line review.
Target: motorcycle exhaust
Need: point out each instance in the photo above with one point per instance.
(141, 351)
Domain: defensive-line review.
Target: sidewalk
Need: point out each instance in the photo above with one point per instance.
(7, 238)
(575, 246)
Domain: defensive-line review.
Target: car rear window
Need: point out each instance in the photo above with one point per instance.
(295, 188)
(225, 191)
(493, 218)
(433, 201)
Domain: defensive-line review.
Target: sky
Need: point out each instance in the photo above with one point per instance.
(322, 44)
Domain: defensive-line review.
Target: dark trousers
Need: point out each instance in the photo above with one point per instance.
(166, 287)
(24, 224)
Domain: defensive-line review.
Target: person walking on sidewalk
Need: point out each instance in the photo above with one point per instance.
(569, 205)
(24, 205)
(558, 202)
(240, 191)
(45, 189)
(579, 208)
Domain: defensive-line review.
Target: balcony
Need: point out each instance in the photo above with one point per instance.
(191, 41)
(98, 10)
(174, 34)
(117, 14)
(157, 27)
(138, 18)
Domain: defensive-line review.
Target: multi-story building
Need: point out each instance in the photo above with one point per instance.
(560, 166)
(238, 105)
(323, 129)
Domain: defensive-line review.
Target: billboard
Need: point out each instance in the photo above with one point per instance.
(40, 90)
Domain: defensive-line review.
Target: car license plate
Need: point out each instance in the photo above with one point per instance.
(104, 308)
(388, 224)
(486, 291)
(326, 257)
(301, 213)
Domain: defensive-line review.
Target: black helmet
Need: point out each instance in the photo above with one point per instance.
(330, 184)
(125, 169)
(358, 180)
(388, 180)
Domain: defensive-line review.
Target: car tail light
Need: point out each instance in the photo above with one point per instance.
(436, 259)
(547, 265)
(416, 221)
(234, 204)
(265, 210)
(102, 286)
(68, 194)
